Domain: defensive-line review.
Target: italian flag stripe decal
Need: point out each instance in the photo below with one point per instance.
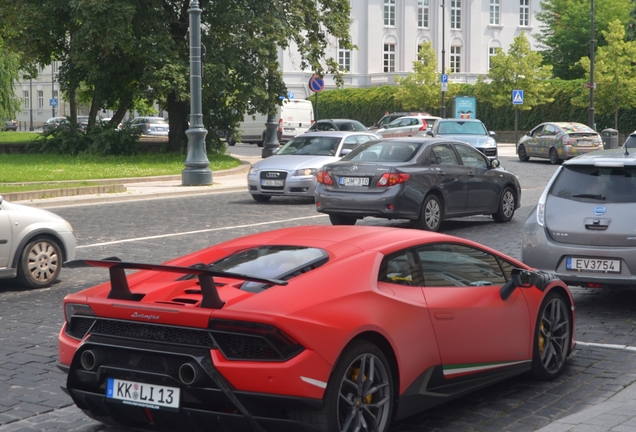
(454, 370)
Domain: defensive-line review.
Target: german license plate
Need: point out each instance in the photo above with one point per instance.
(354, 181)
(593, 265)
(142, 395)
(272, 182)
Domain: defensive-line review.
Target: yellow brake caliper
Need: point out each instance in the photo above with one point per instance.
(354, 377)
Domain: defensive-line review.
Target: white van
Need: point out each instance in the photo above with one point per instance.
(293, 117)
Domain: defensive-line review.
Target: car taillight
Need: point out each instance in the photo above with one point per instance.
(392, 179)
(280, 125)
(424, 126)
(323, 178)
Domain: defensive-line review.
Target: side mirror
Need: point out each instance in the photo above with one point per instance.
(345, 152)
(492, 133)
(430, 133)
(519, 278)
(495, 163)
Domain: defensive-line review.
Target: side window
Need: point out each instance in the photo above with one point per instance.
(549, 130)
(538, 132)
(450, 264)
(445, 155)
(350, 143)
(400, 269)
(471, 157)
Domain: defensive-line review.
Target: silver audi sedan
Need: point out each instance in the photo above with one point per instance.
(582, 228)
(34, 243)
(292, 170)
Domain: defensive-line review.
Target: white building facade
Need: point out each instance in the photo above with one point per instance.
(387, 33)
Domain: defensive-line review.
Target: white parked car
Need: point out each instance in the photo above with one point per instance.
(292, 170)
(34, 243)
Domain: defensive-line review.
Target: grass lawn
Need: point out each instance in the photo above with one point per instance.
(20, 168)
(18, 137)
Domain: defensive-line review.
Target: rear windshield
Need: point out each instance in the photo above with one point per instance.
(384, 151)
(462, 128)
(595, 184)
(630, 142)
(156, 121)
(310, 145)
(271, 262)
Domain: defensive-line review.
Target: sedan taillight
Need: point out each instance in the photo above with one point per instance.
(323, 178)
(392, 179)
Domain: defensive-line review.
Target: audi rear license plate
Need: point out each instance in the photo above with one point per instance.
(597, 265)
(142, 394)
(354, 181)
(272, 182)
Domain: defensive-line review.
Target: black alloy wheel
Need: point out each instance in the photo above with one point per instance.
(522, 153)
(552, 338)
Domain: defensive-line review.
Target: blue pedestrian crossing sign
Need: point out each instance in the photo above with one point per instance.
(517, 97)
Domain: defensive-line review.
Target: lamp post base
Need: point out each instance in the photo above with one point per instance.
(197, 171)
(271, 137)
(196, 177)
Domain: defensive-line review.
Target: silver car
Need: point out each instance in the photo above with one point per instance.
(292, 170)
(405, 126)
(470, 131)
(34, 243)
(582, 228)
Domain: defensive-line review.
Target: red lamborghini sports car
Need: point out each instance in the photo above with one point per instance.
(313, 328)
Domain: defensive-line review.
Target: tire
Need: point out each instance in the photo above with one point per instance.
(261, 198)
(523, 154)
(552, 337)
(431, 215)
(40, 263)
(230, 141)
(359, 395)
(506, 209)
(554, 156)
(340, 219)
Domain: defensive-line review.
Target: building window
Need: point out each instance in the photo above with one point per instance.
(422, 13)
(491, 53)
(456, 14)
(389, 57)
(344, 59)
(524, 13)
(494, 12)
(455, 59)
(389, 12)
(40, 99)
(27, 100)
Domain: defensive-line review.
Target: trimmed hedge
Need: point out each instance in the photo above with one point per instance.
(368, 105)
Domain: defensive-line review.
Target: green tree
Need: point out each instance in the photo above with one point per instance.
(420, 90)
(520, 69)
(614, 74)
(9, 68)
(120, 52)
(566, 30)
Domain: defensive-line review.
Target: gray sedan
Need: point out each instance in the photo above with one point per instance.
(292, 170)
(422, 179)
(470, 131)
(34, 243)
(582, 228)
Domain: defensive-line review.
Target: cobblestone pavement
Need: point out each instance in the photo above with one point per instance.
(30, 395)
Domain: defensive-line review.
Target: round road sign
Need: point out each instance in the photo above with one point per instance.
(316, 83)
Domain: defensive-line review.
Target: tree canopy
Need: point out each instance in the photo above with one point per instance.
(9, 68)
(614, 74)
(519, 69)
(566, 30)
(119, 53)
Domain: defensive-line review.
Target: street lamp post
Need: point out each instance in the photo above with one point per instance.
(197, 171)
(270, 143)
(31, 104)
(443, 110)
(590, 119)
(53, 87)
